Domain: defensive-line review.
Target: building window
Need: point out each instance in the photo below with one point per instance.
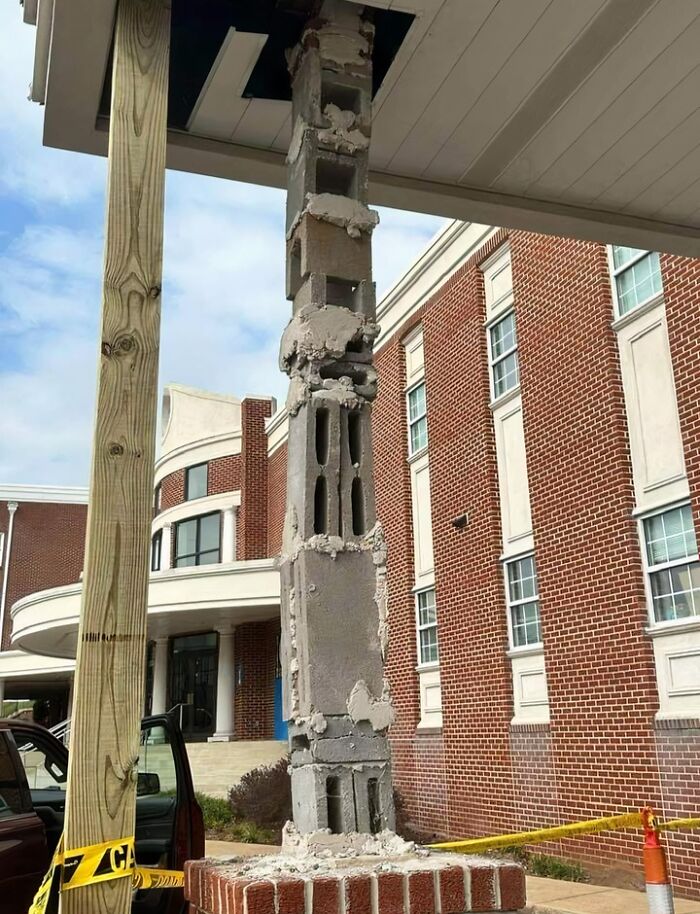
(503, 354)
(523, 602)
(417, 419)
(636, 277)
(426, 622)
(157, 499)
(198, 541)
(196, 481)
(672, 564)
(156, 549)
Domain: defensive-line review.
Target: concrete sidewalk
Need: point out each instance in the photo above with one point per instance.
(553, 895)
(544, 896)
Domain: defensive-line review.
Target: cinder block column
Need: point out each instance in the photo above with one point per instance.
(333, 554)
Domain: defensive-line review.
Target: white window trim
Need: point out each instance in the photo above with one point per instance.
(669, 624)
(619, 319)
(511, 392)
(2, 548)
(413, 455)
(492, 266)
(423, 667)
(513, 649)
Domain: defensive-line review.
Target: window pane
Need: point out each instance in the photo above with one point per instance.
(419, 435)
(155, 551)
(522, 579)
(525, 620)
(196, 482)
(209, 530)
(503, 336)
(416, 402)
(638, 283)
(186, 537)
(623, 255)
(670, 536)
(426, 608)
(676, 592)
(428, 645)
(185, 561)
(505, 374)
(208, 558)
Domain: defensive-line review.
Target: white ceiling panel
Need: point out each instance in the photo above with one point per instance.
(577, 117)
(524, 69)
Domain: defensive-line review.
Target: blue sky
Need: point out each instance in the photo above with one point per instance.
(223, 304)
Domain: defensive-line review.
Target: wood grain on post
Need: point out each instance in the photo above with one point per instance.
(109, 682)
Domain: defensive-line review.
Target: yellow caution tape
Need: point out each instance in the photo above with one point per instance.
(97, 863)
(591, 826)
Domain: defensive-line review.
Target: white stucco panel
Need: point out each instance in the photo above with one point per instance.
(516, 519)
(652, 412)
(415, 358)
(677, 658)
(530, 698)
(422, 518)
(430, 698)
(498, 282)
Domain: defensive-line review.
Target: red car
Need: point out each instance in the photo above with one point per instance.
(33, 773)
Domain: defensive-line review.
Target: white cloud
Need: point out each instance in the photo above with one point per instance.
(223, 303)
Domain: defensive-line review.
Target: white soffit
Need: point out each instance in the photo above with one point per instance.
(220, 107)
(561, 116)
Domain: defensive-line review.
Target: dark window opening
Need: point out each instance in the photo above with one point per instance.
(156, 550)
(322, 436)
(375, 813)
(334, 801)
(358, 507)
(196, 481)
(198, 541)
(355, 438)
(321, 506)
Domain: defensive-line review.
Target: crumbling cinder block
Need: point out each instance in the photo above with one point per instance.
(334, 626)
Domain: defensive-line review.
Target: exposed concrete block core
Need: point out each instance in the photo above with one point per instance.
(333, 566)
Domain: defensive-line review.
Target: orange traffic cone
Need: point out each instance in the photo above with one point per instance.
(658, 883)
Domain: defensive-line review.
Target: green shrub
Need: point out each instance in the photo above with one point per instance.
(216, 811)
(264, 797)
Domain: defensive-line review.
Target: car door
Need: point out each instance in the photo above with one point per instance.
(169, 824)
(24, 854)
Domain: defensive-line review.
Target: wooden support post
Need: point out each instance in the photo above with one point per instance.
(109, 681)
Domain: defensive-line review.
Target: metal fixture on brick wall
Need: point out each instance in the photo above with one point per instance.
(333, 553)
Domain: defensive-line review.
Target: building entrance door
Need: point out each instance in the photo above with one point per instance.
(193, 683)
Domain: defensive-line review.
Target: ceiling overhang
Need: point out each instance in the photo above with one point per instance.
(560, 117)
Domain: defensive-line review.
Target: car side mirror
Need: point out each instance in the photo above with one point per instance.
(148, 784)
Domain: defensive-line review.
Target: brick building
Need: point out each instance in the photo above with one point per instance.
(537, 468)
(213, 614)
(537, 460)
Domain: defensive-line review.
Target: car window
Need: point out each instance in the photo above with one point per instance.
(43, 769)
(157, 772)
(14, 798)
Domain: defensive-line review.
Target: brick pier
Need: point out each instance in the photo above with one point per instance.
(429, 884)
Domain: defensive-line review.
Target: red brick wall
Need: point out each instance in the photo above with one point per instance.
(276, 498)
(252, 516)
(678, 742)
(474, 670)
(600, 669)
(678, 747)
(48, 542)
(393, 495)
(255, 646)
(224, 475)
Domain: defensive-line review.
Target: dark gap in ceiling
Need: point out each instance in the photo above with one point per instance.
(198, 30)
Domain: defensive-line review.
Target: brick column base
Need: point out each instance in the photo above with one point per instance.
(411, 884)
